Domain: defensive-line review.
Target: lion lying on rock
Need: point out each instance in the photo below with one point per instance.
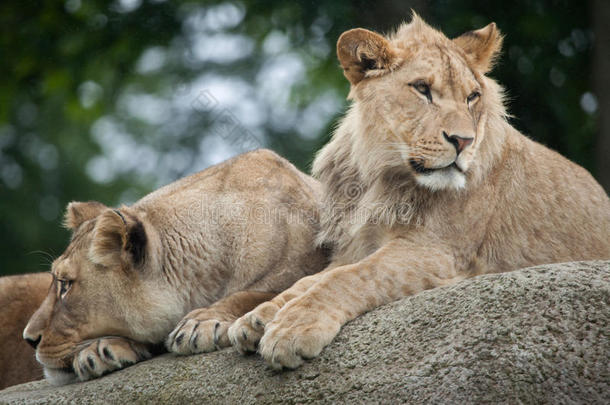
(425, 184)
(216, 243)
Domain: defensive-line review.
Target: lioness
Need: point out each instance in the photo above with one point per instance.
(425, 183)
(216, 243)
(20, 297)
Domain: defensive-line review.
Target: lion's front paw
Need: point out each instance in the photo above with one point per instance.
(108, 354)
(197, 333)
(247, 331)
(297, 333)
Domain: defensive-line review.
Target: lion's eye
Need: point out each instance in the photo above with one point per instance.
(473, 96)
(423, 88)
(64, 286)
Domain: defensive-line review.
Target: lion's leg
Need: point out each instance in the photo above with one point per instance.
(205, 329)
(246, 332)
(306, 324)
(108, 354)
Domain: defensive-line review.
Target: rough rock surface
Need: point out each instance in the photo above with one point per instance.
(538, 335)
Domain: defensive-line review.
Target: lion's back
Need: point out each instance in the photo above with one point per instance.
(248, 174)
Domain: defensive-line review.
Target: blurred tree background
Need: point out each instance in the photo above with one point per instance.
(109, 100)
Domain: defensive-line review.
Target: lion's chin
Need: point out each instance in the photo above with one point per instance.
(442, 179)
(57, 370)
(59, 376)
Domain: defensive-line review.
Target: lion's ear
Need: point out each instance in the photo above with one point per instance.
(481, 46)
(361, 51)
(79, 212)
(118, 237)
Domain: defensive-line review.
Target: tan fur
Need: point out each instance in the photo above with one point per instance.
(20, 296)
(404, 212)
(217, 243)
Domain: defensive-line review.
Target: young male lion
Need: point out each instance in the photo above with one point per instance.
(216, 243)
(426, 183)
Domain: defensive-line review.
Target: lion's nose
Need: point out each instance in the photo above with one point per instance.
(32, 340)
(459, 142)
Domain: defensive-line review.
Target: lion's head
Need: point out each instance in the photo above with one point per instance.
(421, 100)
(103, 285)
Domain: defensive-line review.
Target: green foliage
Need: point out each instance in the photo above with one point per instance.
(106, 101)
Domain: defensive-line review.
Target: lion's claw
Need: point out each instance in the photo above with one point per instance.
(106, 355)
(296, 333)
(247, 331)
(196, 334)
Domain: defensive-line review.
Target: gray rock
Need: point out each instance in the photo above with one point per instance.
(538, 335)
